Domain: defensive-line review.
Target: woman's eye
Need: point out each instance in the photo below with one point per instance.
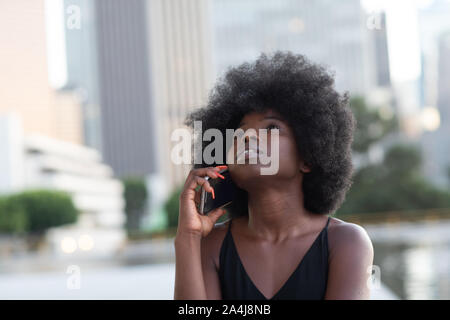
(273, 126)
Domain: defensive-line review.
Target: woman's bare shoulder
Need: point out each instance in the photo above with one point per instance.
(343, 236)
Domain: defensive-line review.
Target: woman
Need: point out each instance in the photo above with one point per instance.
(281, 241)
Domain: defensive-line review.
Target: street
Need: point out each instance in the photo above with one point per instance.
(119, 283)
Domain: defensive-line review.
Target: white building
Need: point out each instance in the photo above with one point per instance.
(32, 161)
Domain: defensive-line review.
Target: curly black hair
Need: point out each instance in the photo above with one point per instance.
(303, 94)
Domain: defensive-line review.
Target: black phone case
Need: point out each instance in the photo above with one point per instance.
(224, 192)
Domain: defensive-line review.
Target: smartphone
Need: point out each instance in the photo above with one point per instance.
(224, 191)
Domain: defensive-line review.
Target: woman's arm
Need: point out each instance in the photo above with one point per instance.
(350, 263)
(189, 283)
(210, 247)
(192, 227)
(195, 277)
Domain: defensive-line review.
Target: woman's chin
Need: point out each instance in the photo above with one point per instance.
(246, 174)
(246, 167)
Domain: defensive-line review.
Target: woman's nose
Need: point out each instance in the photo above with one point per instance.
(251, 137)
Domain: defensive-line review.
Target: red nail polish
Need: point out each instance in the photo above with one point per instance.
(213, 196)
(221, 176)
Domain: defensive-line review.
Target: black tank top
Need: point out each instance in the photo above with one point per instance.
(307, 282)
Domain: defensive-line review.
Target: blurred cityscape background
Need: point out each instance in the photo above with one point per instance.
(91, 90)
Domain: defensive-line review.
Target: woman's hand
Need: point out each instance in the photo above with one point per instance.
(190, 221)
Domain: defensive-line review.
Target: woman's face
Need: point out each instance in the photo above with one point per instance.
(246, 173)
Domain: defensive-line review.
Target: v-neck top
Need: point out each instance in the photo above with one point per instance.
(307, 282)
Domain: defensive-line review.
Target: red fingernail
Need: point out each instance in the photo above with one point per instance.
(221, 176)
(222, 167)
(213, 193)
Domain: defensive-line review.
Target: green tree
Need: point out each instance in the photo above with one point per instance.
(371, 127)
(172, 208)
(395, 184)
(135, 194)
(44, 209)
(13, 218)
(33, 212)
(448, 174)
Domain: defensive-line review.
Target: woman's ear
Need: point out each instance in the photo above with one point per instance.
(304, 168)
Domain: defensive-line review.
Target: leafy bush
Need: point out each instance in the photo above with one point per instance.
(394, 184)
(135, 194)
(13, 219)
(172, 207)
(44, 209)
(370, 126)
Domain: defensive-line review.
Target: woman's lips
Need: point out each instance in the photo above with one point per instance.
(247, 154)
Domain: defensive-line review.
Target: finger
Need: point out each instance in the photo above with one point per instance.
(215, 214)
(209, 172)
(213, 174)
(192, 182)
(204, 171)
(197, 197)
(195, 181)
(205, 185)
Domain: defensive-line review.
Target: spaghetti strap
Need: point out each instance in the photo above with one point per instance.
(328, 221)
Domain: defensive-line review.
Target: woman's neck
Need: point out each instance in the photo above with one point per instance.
(276, 214)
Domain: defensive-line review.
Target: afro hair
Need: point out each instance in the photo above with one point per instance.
(303, 94)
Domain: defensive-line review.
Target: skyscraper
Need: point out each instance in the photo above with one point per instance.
(82, 65)
(434, 28)
(127, 123)
(182, 70)
(379, 33)
(146, 64)
(436, 144)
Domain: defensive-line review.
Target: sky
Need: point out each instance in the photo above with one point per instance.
(403, 35)
(56, 43)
